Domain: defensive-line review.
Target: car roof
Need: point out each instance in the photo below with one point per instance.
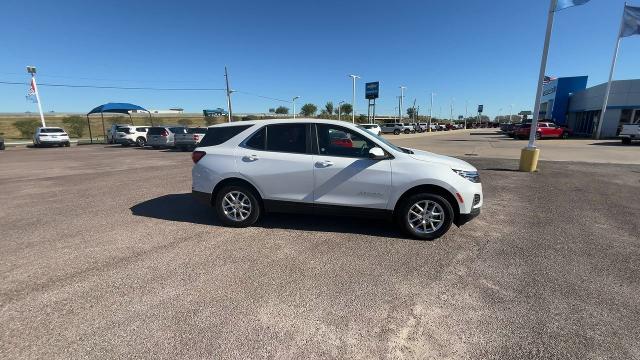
(287, 121)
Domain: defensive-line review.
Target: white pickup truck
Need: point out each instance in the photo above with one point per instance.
(629, 133)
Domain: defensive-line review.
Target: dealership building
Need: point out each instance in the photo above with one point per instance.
(568, 102)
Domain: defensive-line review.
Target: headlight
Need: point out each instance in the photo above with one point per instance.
(472, 176)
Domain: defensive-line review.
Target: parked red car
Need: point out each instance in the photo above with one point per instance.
(546, 130)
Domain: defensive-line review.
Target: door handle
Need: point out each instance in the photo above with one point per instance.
(325, 163)
(251, 157)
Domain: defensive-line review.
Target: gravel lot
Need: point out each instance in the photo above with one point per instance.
(103, 254)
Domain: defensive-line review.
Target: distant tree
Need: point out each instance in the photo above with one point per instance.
(346, 109)
(362, 118)
(185, 122)
(328, 107)
(308, 109)
(272, 110)
(282, 110)
(27, 127)
(75, 125)
(411, 111)
(336, 111)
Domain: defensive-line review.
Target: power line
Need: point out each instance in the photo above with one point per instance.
(262, 96)
(111, 87)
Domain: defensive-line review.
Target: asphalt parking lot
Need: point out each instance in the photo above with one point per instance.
(105, 255)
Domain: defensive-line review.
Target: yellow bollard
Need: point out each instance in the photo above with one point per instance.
(529, 159)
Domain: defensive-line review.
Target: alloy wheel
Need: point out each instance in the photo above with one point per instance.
(236, 206)
(426, 217)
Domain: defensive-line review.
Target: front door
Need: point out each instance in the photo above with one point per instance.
(344, 174)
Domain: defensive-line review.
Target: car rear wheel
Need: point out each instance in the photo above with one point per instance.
(425, 216)
(396, 132)
(141, 142)
(67, 144)
(237, 206)
(626, 141)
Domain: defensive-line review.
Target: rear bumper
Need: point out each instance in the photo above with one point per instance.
(465, 218)
(202, 197)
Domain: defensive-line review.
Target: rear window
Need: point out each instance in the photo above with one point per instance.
(197, 131)
(155, 131)
(123, 129)
(142, 129)
(51, 130)
(219, 135)
(178, 130)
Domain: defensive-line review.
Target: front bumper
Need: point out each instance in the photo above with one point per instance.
(465, 218)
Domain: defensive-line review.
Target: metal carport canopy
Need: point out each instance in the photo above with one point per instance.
(118, 108)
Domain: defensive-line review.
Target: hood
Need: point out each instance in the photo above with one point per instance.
(442, 159)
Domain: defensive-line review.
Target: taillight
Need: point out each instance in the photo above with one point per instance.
(165, 133)
(197, 155)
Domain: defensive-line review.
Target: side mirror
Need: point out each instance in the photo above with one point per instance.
(377, 154)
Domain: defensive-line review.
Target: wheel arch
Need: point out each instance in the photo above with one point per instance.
(235, 181)
(430, 189)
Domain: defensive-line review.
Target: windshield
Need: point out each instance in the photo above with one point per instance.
(386, 142)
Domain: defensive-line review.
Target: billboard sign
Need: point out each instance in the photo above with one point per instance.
(371, 90)
(480, 108)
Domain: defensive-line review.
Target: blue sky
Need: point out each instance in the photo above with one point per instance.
(483, 51)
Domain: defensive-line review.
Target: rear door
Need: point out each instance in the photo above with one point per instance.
(277, 159)
(343, 173)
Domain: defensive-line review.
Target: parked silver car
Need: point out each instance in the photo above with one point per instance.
(392, 128)
(164, 136)
(190, 139)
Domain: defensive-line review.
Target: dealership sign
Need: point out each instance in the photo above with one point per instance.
(549, 91)
(371, 90)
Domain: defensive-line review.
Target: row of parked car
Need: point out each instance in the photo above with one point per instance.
(166, 136)
(408, 128)
(545, 130)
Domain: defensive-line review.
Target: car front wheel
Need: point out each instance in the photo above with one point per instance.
(237, 206)
(425, 216)
(396, 132)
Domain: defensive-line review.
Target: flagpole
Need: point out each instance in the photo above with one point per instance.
(529, 155)
(613, 69)
(35, 89)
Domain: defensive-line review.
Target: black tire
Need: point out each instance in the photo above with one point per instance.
(626, 141)
(538, 136)
(67, 144)
(141, 142)
(396, 132)
(255, 208)
(2, 147)
(407, 131)
(402, 216)
(565, 135)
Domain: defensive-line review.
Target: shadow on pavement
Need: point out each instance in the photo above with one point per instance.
(184, 208)
(616, 143)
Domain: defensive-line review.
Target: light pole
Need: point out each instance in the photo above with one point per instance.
(353, 101)
(451, 115)
(34, 87)
(294, 106)
(340, 109)
(431, 112)
(229, 92)
(466, 113)
(401, 101)
(510, 112)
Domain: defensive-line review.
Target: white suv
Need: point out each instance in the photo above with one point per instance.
(330, 167)
(129, 135)
(50, 136)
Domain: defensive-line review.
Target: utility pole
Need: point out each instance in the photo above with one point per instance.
(340, 109)
(466, 113)
(451, 108)
(413, 113)
(229, 91)
(353, 105)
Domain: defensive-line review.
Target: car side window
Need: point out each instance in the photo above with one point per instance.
(339, 141)
(258, 140)
(289, 138)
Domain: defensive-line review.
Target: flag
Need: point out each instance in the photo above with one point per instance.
(563, 4)
(31, 94)
(630, 21)
(548, 79)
